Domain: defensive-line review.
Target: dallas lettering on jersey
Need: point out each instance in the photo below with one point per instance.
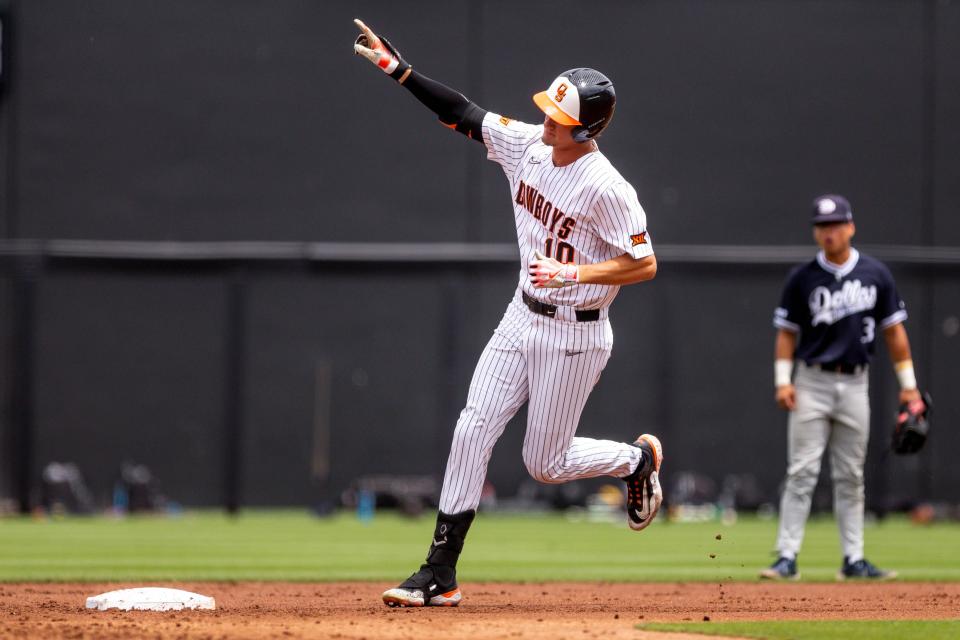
(853, 297)
(542, 210)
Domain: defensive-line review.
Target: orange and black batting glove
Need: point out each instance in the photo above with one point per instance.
(380, 52)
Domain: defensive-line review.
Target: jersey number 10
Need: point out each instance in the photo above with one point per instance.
(565, 252)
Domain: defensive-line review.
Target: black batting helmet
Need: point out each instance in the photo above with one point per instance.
(583, 98)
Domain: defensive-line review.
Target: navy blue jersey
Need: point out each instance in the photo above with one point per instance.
(839, 309)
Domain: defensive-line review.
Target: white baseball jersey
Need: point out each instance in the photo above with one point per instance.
(581, 213)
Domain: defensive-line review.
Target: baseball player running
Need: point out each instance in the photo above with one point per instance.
(831, 311)
(582, 234)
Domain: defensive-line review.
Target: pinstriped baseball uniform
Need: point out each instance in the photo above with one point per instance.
(582, 213)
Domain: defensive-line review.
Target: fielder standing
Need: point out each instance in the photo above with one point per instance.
(831, 312)
(582, 234)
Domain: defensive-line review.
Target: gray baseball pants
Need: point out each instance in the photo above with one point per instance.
(832, 411)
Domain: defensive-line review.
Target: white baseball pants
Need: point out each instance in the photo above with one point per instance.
(554, 364)
(833, 410)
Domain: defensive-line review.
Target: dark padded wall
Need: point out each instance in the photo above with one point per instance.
(189, 120)
(131, 369)
(253, 121)
(6, 436)
(385, 363)
(731, 116)
(943, 477)
(946, 229)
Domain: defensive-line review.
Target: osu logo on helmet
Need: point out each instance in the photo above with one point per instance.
(561, 92)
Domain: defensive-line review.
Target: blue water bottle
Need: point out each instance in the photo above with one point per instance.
(366, 505)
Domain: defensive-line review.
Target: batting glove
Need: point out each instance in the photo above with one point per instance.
(547, 272)
(380, 52)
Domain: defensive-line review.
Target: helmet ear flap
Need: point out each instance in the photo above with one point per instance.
(580, 134)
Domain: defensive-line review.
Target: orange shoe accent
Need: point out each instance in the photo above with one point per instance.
(449, 599)
(655, 445)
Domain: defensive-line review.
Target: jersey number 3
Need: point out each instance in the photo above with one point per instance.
(869, 326)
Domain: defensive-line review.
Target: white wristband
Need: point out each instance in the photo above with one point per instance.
(782, 371)
(906, 375)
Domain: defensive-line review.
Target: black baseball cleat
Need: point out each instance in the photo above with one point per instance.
(863, 569)
(644, 494)
(431, 586)
(782, 569)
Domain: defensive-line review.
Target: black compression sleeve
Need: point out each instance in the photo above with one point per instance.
(452, 107)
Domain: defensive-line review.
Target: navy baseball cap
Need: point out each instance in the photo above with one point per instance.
(831, 208)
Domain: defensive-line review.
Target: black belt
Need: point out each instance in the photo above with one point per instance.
(550, 310)
(840, 367)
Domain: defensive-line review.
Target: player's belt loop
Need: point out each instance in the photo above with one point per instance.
(550, 310)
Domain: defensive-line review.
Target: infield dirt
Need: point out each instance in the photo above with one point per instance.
(353, 611)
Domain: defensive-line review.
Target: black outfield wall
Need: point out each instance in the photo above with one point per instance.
(253, 121)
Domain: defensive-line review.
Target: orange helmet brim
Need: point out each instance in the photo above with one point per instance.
(550, 108)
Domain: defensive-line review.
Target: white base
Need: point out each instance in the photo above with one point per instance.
(150, 599)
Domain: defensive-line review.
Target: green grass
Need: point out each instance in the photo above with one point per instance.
(819, 629)
(292, 545)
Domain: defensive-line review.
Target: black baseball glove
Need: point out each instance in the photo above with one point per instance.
(913, 425)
